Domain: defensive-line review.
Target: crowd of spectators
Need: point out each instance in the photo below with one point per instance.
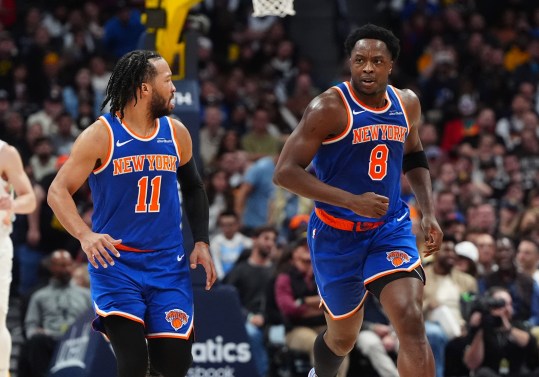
(473, 64)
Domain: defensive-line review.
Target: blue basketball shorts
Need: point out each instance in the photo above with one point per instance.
(152, 288)
(345, 261)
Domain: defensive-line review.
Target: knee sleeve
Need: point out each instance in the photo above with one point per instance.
(171, 357)
(129, 344)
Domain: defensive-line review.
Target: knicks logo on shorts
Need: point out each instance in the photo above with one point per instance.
(177, 318)
(398, 257)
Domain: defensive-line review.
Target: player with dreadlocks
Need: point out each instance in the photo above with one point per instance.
(133, 157)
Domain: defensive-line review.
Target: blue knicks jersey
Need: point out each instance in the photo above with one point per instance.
(367, 156)
(135, 190)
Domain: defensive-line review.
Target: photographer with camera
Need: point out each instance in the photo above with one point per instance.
(496, 346)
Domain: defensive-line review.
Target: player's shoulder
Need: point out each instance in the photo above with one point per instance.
(8, 152)
(407, 96)
(177, 125)
(325, 102)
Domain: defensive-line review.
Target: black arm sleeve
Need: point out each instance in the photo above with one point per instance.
(195, 201)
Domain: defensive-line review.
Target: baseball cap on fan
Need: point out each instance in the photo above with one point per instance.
(468, 250)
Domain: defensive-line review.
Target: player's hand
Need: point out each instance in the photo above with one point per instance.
(98, 248)
(433, 234)
(370, 204)
(201, 255)
(6, 202)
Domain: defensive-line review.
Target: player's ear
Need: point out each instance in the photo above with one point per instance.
(144, 89)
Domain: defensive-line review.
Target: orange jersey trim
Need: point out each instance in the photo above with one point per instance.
(127, 248)
(105, 163)
(130, 130)
(350, 313)
(378, 110)
(171, 335)
(175, 139)
(343, 224)
(348, 115)
(119, 314)
(385, 273)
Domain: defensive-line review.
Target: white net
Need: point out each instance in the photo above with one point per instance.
(279, 8)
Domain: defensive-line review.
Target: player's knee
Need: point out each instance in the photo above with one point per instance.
(341, 344)
(409, 319)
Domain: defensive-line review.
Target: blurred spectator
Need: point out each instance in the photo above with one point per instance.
(509, 127)
(255, 194)
(122, 31)
(486, 246)
(228, 244)
(8, 52)
(220, 197)
(230, 142)
(250, 277)
(302, 94)
(43, 161)
(523, 289)
(211, 134)
(51, 311)
(64, 139)
(45, 234)
(297, 298)
(441, 302)
(528, 258)
(79, 42)
(508, 217)
(528, 70)
(52, 107)
(463, 125)
(258, 141)
(483, 218)
(100, 76)
(81, 90)
(377, 339)
(446, 205)
(91, 15)
(498, 345)
(81, 277)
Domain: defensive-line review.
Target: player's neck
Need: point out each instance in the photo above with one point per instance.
(138, 119)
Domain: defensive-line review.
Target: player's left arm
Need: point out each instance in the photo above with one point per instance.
(195, 203)
(13, 170)
(416, 170)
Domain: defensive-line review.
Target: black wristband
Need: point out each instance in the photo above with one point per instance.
(414, 160)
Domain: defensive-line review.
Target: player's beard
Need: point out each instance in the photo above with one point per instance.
(264, 252)
(159, 106)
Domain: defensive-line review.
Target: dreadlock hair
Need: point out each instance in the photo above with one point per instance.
(370, 31)
(130, 72)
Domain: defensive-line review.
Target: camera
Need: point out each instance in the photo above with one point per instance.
(484, 305)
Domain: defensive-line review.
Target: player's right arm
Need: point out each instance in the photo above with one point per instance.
(90, 149)
(325, 117)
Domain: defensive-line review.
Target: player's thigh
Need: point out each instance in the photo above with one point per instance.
(6, 260)
(402, 300)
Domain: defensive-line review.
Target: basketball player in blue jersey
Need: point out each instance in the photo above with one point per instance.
(360, 135)
(133, 158)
